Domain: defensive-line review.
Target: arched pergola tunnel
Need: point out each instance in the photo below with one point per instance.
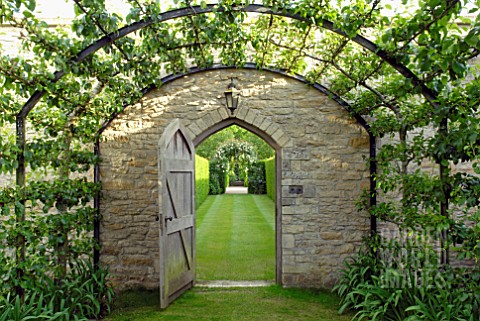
(112, 41)
(113, 65)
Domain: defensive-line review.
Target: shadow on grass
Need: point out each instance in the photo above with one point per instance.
(267, 303)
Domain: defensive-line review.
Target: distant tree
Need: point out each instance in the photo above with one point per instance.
(237, 157)
(209, 146)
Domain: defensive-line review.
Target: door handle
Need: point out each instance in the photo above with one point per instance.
(168, 218)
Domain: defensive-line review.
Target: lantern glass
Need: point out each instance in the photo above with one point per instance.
(232, 95)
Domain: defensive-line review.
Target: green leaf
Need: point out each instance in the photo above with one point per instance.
(27, 14)
(472, 39)
(31, 4)
(458, 68)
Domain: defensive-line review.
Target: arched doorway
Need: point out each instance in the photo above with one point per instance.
(321, 154)
(277, 152)
(177, 211)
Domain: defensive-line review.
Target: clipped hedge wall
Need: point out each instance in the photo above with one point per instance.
(270, 177)
(202, 175)
(218, 178)
(256, 178)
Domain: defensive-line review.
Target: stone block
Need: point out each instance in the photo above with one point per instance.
(297, 209)
(207, 118)
(251, 115)
(265, 124)
(296, 153)
(309, 191)
(241, 113)
(289, 279)
(137, 260)
(193, 127)
(202, 125)
(216, 117)
(222, 111)
(345, 249)
(293, 229)
(278, 134)
(118, 184)
(331, 236)
(297, 268)
(289, 201)
(284, 141)
(295, 176)
(272, 129)
(258, 120)
(288, 241)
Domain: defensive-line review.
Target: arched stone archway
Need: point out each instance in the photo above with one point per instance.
(254, 123)
(277, 139)
(322, 170)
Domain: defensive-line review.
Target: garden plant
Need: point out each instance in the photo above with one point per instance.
(232, 161)
(409, 74)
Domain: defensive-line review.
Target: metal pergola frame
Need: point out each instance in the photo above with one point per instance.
(109, 39)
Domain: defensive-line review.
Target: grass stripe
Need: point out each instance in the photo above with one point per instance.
(235, 238)
(267, 207)
(213, 239)
(252, 248)
(204, 209)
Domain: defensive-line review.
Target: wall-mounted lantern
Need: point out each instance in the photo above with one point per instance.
(232, 97)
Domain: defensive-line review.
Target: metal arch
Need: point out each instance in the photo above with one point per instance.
(249, 66)
(184, 12)
(430, 95)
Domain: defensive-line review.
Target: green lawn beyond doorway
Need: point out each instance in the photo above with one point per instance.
(236, 238)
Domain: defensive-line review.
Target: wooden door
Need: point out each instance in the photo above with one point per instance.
(177, 220)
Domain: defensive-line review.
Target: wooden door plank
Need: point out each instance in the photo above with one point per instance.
(180, 165)
(181, 223)
(178, 232)
(175, 218)
(182, 280)
(181, 289)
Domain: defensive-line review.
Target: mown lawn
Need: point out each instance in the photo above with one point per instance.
(235, 241)
(263, 304)
(236, 238)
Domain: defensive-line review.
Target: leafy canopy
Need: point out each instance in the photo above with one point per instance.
(416, 71)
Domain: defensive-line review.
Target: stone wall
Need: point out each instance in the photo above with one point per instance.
(321, 147)
(321, 150)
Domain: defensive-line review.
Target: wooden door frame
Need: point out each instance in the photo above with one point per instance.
(168, 134)
(278, 178)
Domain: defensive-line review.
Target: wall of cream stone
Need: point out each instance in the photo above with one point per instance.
(322, 149)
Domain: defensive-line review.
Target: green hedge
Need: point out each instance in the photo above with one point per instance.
(202, 174)
(256, 178)
(270, 177)
(218, 178)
